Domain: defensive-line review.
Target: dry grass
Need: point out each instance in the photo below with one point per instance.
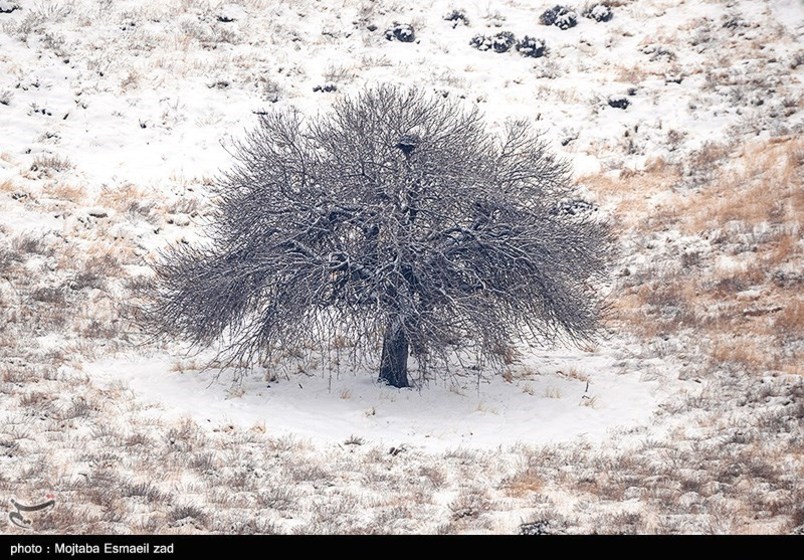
(523, 483)
(69, 193)
(471, 503)
(49, 164)
(634, 74)
(574, 373)
(743, 351)
(127, 199)
(766, 186)
(552, 393)
(630, 192)
(736, 289)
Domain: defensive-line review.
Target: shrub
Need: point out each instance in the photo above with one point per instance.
(573, 207)
(560, 16)
(403, 32)
(48, 164)
(598, 12)
(541, 527)
(499, 43)
(457, 17)
(531, 47)
(619, 102)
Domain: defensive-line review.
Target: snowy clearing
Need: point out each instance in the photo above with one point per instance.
(532, 408)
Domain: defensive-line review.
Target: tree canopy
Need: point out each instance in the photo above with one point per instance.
(398, 219)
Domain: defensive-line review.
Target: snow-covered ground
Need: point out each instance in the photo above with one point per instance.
(545, 405)
(683, 122)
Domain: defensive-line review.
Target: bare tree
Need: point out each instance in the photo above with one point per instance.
(396, 218)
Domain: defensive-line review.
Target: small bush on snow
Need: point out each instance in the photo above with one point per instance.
(457, 17)
(499, 43)
(540, 527)
(560, 16)
(326, 88)
(573, 207)
(49, 163)
(619, 102)
(598, 12)
(531, 47)
(402, 32)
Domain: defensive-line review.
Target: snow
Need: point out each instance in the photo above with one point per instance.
(467, 413)
(789, 14)
(157, 113)
(150, 96)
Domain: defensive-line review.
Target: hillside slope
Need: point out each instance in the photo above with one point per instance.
(683, 123)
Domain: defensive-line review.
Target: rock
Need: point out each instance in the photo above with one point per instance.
(760, 311)
(98, 213)
(7, 7)
(749, 295)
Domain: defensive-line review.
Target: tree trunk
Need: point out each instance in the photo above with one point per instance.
(394, 363)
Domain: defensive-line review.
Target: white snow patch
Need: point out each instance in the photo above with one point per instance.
(542, 408)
